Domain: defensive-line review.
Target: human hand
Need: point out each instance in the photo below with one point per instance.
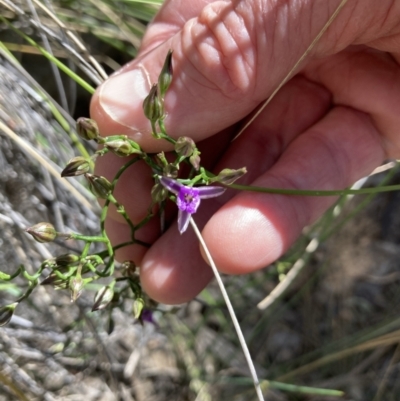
(331, 124)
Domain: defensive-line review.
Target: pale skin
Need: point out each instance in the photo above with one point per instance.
(335, 121)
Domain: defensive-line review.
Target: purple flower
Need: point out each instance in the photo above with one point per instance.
(188, 198)
(147, 316)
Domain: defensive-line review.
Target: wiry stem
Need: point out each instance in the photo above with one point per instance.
(231, 312)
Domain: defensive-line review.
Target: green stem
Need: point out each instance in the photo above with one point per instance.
(99, 153)
(333, 228)
(140, 225)
(64, 277)
(85, 250)
(121, 210)
(150, 162)
(10, 277)
(109, 269)
(154, 130)
(123, 168)
(33, 277)
(193, 181)
(163, 134)
(304, 389)
(32, 286)
(123, 244)
(93, 269)
(86, 238)
(297, 192)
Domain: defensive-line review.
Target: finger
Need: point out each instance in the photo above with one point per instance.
(225, 64)
(362, 79)
(169, 20)
(133, 188)
(173, 270)
(133, 191)
(366, 80)
(120, 233)
(253, 230)
(297, 106)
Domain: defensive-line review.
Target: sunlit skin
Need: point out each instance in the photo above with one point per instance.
(335, 121)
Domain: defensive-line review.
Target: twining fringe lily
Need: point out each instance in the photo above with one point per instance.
(188, 198)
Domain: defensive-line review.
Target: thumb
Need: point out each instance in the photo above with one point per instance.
(226, 61)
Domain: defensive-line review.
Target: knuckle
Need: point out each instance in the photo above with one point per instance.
(218, 44)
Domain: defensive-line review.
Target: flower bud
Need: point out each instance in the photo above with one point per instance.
(165, 77)
(158, 193)
(170, 170)
(195, 159)
(76, 285)
(147, 316)
(68, 259)
(100, 186)
(76, 166)
(228, 176)
(87, 128)
(50, 263)
(42, 232)
(57, 282)
(152, 105)
(102, 298)
(137, 307)
(162, 158)
(6, 313)
(123, 147)
(130, 269)
(185, 146)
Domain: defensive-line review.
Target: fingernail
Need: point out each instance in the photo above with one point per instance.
(122, 95)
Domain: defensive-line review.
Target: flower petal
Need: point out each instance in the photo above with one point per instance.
(210, 192)
(183, 220)
(171, 184)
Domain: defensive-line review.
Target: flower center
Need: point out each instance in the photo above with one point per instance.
(188, 199)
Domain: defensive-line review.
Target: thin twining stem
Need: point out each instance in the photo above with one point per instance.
(231, 312)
